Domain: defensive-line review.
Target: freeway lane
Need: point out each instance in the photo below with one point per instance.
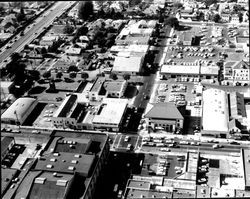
(58, 9)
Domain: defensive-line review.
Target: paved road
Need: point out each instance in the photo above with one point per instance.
(48, 18)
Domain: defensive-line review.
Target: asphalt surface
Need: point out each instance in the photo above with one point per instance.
(45, 20)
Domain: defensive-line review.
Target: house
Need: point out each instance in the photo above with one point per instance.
(235, 19)
(164, 116)
(73, 51)
(186, 38)
(48, 40)
(128, 63)
(18, 112)
(225, 17)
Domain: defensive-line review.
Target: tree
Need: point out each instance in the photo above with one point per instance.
(47, 74)
(84, 75)
(85, 9)
(68, 29)
(59, 74)
(113, 76)
(216, 18)
(43, 51)
(72, 74)
(177, 5)
(20, 16)
(126, 76)
(172, 21)
(15, 57)
(73, 68)
(210, 2)
(240, 15)
(34, 74)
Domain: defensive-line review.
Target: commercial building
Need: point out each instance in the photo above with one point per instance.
(69, 167)
(245, 153)
(189, 70)
(6, 87)
(237, 71)
(17, 113)
(128, 63)
(164, 116)
(73, 51)
(110, 114)
(215, 116)
(6, 145)
(115, 88)
(97, 91)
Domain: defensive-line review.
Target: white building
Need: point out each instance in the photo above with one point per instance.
(18, 112)
(215, 115)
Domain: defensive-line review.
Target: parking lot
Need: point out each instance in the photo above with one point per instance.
(165, 165)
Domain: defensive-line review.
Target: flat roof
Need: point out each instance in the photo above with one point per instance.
(65, 161)
(186, 69)
(6, 173)
(5, 84)
(18, 109)
(246, 159)
(133, 193)
(180, 184)
(139, 184)
(65, 106)
(114, 86)
(72, 50)
(128, 64)
(5, 142)
(112, 111)
(130, 48)
(237, 105)
(97, 84)
(215, 116)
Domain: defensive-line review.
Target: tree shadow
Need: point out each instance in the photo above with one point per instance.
(131, 91)
(183, 28)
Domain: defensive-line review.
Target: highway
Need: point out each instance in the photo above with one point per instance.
(31, 33)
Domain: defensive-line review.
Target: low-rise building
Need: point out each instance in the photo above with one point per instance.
(194, 70)
(18, 112)
(115, 88)
(128, 63)
(165, 116)
(215, 116)
(6, 145)
(6, 87)
(69, 167)
(110, 114)
(73, 51)
(48, 40)
(237, 71)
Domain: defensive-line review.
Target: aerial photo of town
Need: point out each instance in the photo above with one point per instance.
(125, 99)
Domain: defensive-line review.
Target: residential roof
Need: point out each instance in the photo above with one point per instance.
(50, 38)
(66, 163)
(71, 50)
(128, 64)
(215, 110)
(165, 110)
(112, 111)
(18, 109)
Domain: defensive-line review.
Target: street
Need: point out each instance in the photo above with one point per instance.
(34, 31)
